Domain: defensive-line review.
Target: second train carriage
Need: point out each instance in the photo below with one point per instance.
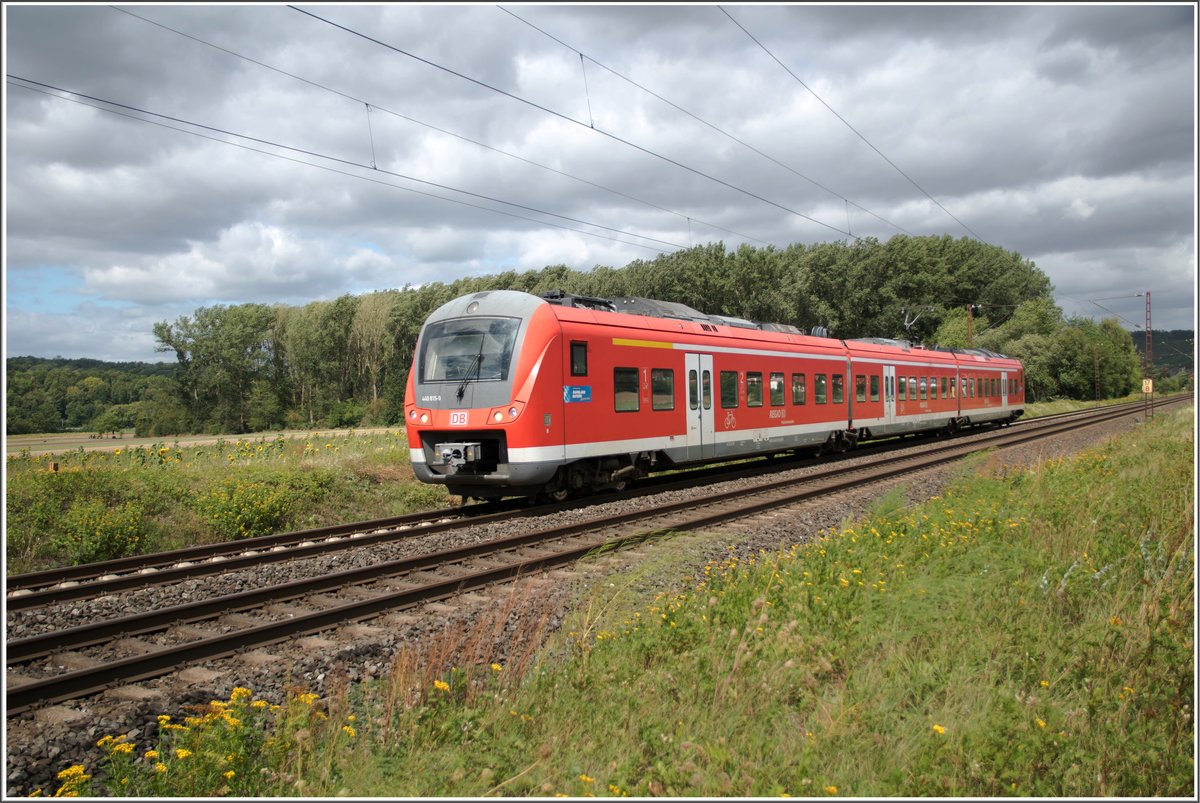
(511, 394)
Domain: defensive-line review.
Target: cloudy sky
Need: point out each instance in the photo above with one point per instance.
(163, 158)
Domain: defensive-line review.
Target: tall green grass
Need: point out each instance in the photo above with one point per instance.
(84, 506)
(1029, 633)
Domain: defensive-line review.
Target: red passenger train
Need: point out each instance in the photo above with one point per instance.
(515, 395)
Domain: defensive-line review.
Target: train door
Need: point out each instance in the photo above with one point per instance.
(701, 426)
(1004, 390)
(889, 394)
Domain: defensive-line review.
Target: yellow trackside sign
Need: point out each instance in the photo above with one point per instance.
(1147, 386)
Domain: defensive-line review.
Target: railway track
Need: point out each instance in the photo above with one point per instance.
(177, 636)
(37, 589)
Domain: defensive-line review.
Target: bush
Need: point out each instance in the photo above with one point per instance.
(246, 509)
(346, 414)
(92, 531)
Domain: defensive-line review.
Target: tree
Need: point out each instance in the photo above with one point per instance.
(371, 340)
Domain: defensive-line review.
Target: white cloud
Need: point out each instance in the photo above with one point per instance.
(1065, 133)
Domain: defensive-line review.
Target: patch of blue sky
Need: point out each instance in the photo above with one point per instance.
(51, 289)
(46, 288)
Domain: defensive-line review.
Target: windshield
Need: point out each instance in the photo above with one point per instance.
(468, 348)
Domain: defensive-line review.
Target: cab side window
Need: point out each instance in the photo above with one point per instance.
(578, 359)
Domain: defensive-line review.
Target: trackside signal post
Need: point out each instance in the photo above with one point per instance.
(1148, 366)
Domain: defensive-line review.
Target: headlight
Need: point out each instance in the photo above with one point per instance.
(512, 412)
(424, 418)
(498, 416)
(412, 414)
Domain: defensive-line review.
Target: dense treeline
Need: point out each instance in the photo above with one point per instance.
(51, 395)
(253, 367)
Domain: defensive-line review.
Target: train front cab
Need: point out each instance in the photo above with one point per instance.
(483, 410)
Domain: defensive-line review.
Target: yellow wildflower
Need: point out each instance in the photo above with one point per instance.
(497, 668)
(1045, 684)
(349, 731)
(441, 685)
(259, 704)
(831, 790)
(229, 775)
(151, 755)
(587, 779)
(182, 752)
(938, 729)
(122, 748)
(160, 767)
(1041, 723)
(308, 698)
(239, 693)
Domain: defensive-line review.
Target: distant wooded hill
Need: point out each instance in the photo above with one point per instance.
(1173, 349)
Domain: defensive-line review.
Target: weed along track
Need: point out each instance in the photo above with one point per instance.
(62, 653)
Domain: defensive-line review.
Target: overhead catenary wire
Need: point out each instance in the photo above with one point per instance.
(378, 108)
(570, 119)
(847, 124)
(12, 80)
(713, 126)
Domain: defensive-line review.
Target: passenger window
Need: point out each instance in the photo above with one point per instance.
(776, 390)
(706, 389)
(838, 390)
(944, 390)
(819, 388)
(875, 388)
(798, 389)
(578, 359)
(902, 386)
(912, 388)
(729, 389)
(860, 388)
(625, 390)
(662, 388)
(754, 389)
(924, 388)
(693, 391)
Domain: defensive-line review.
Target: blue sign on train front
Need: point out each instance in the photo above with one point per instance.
(577, 393)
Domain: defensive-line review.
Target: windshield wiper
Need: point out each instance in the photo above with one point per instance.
(475, 365)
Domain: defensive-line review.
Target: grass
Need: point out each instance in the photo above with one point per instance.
(88, 505)
(1039, 409)
(1001, 640)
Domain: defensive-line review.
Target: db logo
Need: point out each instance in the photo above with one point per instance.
(458, 418)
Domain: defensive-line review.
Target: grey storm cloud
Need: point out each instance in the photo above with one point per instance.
(262, 154)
